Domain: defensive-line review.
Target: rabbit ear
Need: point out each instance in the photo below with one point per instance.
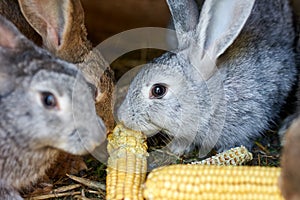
(9, 34)
(9, 39)
(185, 14)
(219, 24)
(61, 25)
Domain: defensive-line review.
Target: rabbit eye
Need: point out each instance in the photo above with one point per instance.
(158, 91)
(49, 100)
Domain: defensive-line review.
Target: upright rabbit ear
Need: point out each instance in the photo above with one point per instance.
(9, 34)
(61, 25)
(185, 14)
(10, 39)
(219, 24)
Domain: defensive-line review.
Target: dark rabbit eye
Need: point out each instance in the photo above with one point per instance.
(49, 100)
(158, 91)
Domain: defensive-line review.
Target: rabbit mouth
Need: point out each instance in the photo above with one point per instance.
(160, 140)
(84, 139)
(151, 129)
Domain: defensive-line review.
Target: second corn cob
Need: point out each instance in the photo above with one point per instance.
(234, 156)
(213, 182)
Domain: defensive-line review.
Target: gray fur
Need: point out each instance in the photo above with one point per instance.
(31, 135)
(238, 102)
(296, 107)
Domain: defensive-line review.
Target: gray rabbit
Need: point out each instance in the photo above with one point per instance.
(46, 107)
(61, 24)
(226, 82)
(59, 27)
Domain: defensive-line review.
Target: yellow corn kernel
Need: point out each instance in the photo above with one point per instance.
(213, 182)
(127, 164)
(234, 156)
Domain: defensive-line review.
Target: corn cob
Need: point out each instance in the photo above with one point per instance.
(212, 182)
(234, 156)
(127, 169)
(127, 164)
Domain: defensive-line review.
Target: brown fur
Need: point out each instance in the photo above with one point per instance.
(290, 177)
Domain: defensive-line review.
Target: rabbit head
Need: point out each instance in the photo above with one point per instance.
(61, 26)
(45, 102)
(186, 93)
(169, 94)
